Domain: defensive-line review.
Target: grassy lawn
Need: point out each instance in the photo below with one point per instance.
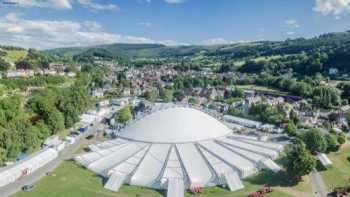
(70, 180)
(267, 58)
(14, 55)
(339, 173)
(261, 89)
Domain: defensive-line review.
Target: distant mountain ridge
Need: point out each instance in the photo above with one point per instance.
(230, 51)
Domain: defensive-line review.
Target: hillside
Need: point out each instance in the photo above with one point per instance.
(301, 55)
(12, 54)
(239, 50)
(125, 50)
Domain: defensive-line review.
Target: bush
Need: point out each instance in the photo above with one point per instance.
(315, 141)
(341, 139)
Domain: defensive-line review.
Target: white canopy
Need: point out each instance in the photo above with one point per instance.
(178, 148)
(175, 125)
(324, 159)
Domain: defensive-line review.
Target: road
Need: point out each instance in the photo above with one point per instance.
(65, 154)
(318, 186)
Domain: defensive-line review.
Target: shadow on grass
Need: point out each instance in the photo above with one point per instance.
(272, 179)
(320, 167)
(162, 192)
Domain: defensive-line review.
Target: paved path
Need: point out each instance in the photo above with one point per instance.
(65, 154)
(318, 186)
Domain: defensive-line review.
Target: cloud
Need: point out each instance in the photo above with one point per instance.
(334, 7)
(215, 41)
(292, 23)
(92, 26)
(174, 1)
(64, 4)
(44, 34)
(96, 6)
(57, 4)
(145, 24)
(173, 43)
(291, 33)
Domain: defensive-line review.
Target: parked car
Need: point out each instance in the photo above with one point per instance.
(89, 137)
(28, 188)
(74, 133)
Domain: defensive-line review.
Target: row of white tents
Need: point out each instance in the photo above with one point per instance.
(12, 173)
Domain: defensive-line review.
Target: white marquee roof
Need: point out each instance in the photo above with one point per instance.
(176, 125)
(179, 148)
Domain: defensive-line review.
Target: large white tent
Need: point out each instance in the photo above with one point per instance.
(178, 148)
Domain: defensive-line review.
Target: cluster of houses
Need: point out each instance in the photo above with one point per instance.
(52, 69)
(143, 79)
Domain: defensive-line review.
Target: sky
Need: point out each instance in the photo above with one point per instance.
(45, 24)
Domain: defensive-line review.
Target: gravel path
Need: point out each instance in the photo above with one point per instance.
(318, 186)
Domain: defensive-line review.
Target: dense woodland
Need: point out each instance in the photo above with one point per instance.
(26, 123)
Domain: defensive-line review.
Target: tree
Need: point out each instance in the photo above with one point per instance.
(193, 101)
(332, 144)
(315, 141)
(3, 156)
(293, 116)
(267, 113)
(4, 66)
(291, 129)
(151, 95)
(124, 115)
(10, 108)
(44, 131)
(31, 139)
(179, 95)
(326, 96)
(71, 113)
(234, 92)
(341, 139)
(299, 161)
(54, 119)
(166, 94)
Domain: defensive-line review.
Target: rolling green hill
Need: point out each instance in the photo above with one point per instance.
(238, 50)
(12, 54)
(308, 56)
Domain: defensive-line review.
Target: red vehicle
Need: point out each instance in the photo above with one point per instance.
(265, 189)
(261, 192)
(256, 194)
(196, 190)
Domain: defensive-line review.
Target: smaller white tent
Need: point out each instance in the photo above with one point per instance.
(242, 121)
(324, 159)
(12, 173)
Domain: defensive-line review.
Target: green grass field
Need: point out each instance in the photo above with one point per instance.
(14, 55)
(261, 89)
(339, 174)
(71, 180)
